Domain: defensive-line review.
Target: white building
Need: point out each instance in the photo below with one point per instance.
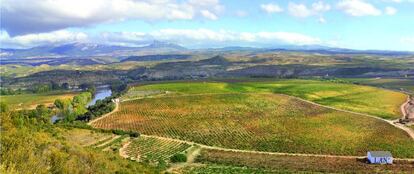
(379, 157)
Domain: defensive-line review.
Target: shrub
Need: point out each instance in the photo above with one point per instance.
(179, 157)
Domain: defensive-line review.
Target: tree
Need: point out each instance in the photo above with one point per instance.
(42, 113)
(54, 85)
(59, 104)
(65, 86)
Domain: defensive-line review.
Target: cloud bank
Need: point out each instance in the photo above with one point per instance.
(191, 38)
(21, 17)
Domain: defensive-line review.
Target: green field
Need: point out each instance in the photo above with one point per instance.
(260, 121)
(148, 149)
(363, 99)
(30, 101)
(396, 84)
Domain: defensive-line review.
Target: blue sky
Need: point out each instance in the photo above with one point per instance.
(357, 24)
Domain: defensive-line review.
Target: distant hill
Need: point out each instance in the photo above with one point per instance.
(79, 49)
(156, 57)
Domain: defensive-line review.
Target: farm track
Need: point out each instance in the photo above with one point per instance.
(122, 150)
(109, 141)
(409, 131)
(195, 153)
(104, 139)
(191, 156)
(407, 110)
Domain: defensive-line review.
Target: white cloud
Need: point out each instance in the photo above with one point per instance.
(30, 40)
(358, 8)
(320, 7)
(27, 16)
(302, 11)
(390, 10)
(287, 37)
(187, 37)
(206, 36)
(271, 8)
(207, 14)
(299, 10)
(399, 1)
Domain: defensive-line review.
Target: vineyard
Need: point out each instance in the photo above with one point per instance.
(363, 99)
(226, 169)
(261, 121)
(149, 149)
(233, 162)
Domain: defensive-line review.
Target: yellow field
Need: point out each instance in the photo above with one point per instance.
(30, 101)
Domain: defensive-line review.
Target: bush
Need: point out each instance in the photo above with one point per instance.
(179, 157)
(134, 134)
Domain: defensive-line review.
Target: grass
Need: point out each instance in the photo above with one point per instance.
(30, 101)
(84, 137)
(149, 149)
(266, 163)
(363, 99)
(263, 122)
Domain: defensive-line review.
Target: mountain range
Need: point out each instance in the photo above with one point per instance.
(78, 49)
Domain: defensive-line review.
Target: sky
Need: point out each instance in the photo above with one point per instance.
(355, 24)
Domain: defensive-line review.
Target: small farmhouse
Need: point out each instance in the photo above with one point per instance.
(379, 157)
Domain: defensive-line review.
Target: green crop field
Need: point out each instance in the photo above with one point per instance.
(363, 99)
(261, 121)
(149, 149)
(30, 101)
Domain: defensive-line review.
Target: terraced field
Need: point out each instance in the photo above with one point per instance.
(85, 137)
(256, 121)
(30, 101)
(149, 149)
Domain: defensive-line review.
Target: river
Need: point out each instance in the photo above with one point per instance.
(101, 93)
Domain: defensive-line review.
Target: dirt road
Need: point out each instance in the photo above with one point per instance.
(122, 150)
(407, 108)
